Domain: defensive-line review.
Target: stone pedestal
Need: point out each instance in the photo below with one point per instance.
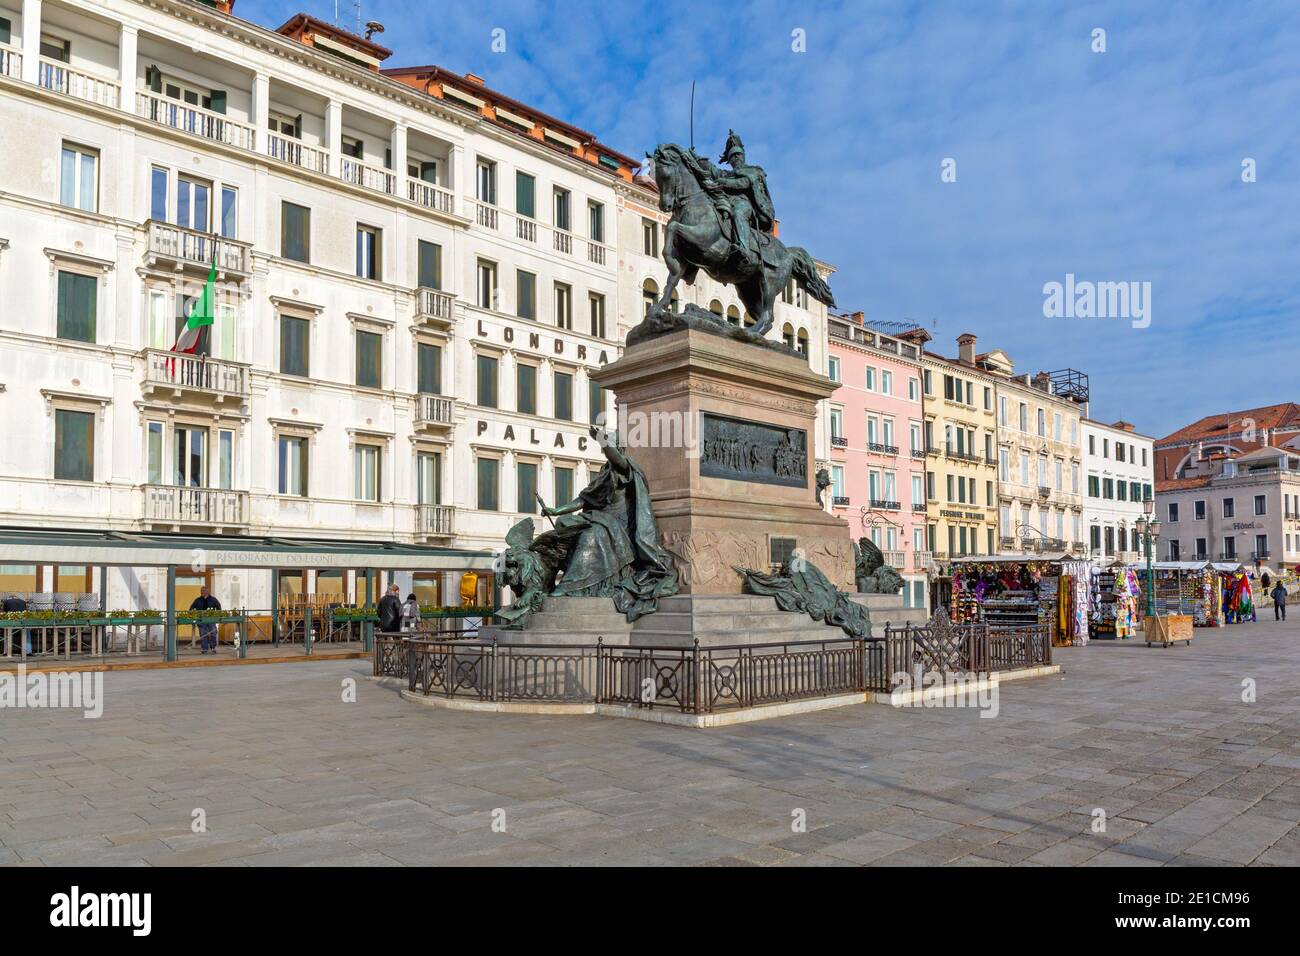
(725, 433)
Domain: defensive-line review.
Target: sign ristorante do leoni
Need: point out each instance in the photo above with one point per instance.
(751, 451)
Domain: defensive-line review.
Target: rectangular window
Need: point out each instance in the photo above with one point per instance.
(1198, 510)
(79, 181)
(225, 459)
(487, 284)
(369, 245)
(1261, 506)
(78, 298)
(293, 466)
(154, 452)
(564, 396)
(429, 265)
(526, 488)
(229, 211)
(596, 221)
(428, 478)
(487, 380)
(429, 368)
(886, 382)
(650, 238)
(159, 187)
(365, 472)
(563, 219)
(487, 181)
(563, 306)
(489, 484)
(295, 346)
(1173, 511)
(193, 199)
(295, 232)
(74, 445)
(370, 366)
(525, 294)
(833, 368)
(1229, 507)
(526, 388)
(913, 389)
(563, 485)
(595, 403)
(596, 312)
(525, 195)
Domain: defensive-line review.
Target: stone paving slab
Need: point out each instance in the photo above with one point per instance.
(1156, 744)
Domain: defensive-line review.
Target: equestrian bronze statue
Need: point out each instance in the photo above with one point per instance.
(722, 221)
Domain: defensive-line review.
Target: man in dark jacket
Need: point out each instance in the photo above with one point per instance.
(390, 610)
(1279, 602)
(14, 603)
(207, 632)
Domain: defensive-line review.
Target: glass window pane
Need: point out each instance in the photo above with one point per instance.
(88, 182)
(158, 194)
(155, 442)
(68, 178)
(225, 459)
(430, 265)
(229, 210)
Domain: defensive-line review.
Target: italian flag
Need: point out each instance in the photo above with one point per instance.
(201, 314)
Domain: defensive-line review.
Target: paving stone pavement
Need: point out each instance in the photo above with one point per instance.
(287, 773)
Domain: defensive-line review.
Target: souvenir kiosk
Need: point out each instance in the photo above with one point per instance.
(1116, 602)
(1184, 587)
(1019, 589)
(1238, 593)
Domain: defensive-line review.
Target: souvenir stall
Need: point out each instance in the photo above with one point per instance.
(1238, 595)
(1183, 587)
(1010, 590)
(1116, 600)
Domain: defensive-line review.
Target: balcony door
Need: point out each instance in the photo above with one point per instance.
(428, 478)
(191, 457)
(193, 203)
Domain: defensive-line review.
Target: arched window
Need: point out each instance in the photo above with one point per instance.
(716, 308)
(801, 343)
(733, 315)
(787, 335)
(650, 292)
(676, 304)
(750, 320)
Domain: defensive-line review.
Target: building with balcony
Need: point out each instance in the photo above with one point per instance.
(876, 424)
(415, 275)
(1229, 505)
(960, 435)
(1040, 466)
(1118, 469)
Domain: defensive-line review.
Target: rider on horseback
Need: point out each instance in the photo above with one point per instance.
(740, 195)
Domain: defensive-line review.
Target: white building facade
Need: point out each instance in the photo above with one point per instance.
(1118, 467)
(415, 276)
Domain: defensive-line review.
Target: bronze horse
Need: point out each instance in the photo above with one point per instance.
(694, 239)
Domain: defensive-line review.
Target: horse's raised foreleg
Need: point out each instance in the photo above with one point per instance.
(675, 268)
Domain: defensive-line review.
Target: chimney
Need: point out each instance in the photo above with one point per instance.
(1043, 382)
(966, 348)
(474, 78)
(859, 317)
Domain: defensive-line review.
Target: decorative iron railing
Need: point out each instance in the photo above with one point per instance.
(942, 647)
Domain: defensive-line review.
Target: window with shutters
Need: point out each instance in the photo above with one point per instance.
(369, 252)
(78, 298)
(563, 306)
(74, 445)
(429, 265)
(295, 232)
(526, 388)
(563, 205)
(595, 402)
(564, 396)
(429, 371)
(489, 484)
(650, 238)
(526, 487)
(525, 294)
(563, 485)
(369, 359)
(596, 221)
(291, 453)
(525, 195)
(366, 472)
(487, 380)
(596, 310)
(295, 346)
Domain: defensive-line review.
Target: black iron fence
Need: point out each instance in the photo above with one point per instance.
(700, 680)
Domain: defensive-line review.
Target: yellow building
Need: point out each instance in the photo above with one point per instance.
(961, 463)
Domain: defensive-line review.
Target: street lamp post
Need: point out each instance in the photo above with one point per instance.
(1148, 525)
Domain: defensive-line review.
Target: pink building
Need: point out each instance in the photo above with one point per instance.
(877, 446)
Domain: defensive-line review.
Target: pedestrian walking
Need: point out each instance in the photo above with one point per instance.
(410, 613)
(390, 610)
(1279, 602)
(207, 630)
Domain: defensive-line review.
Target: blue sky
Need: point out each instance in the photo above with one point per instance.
(1117, 166)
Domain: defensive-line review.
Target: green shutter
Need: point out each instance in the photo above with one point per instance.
(429, 360)
(74, 445)
(217, 101)
(525, 190)
(369, 362)
(6, 30)
(487, 381)
(430, 265)
(153, 78)
(526, 488)
(487, 484)
(76, 308)
(526, 389)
